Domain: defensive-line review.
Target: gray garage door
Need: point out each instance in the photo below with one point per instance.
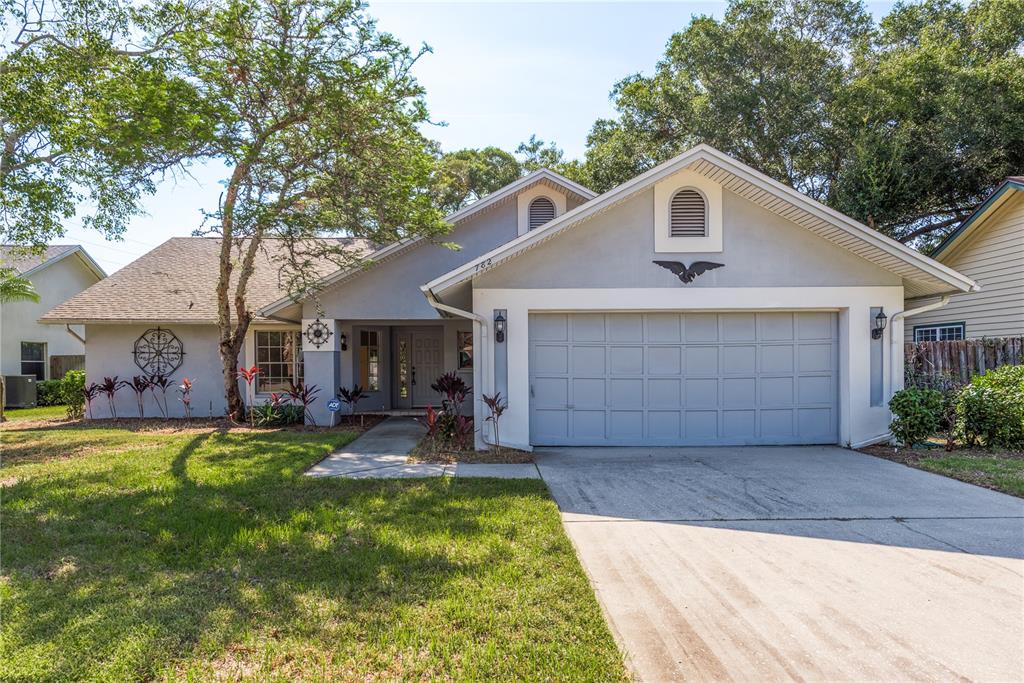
(683, 379)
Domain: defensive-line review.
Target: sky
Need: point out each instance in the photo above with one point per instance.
(498, 73)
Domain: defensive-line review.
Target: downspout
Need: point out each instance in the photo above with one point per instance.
(482, 326)
(74, 334)
(894, 342)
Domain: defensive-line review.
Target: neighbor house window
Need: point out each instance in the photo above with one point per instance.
(465, 345)
(369, 360)
(33, 359)
(541, 211)
(688, 214)
(279, 358)
(943, 332)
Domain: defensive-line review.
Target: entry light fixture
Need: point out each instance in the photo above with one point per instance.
(344, 342)
(880, 320)
(499, 328)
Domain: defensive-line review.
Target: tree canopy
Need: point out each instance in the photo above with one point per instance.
(90, 110)
(905, 124)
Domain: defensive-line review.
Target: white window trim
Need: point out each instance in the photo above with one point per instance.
(526, 197)
(250, 351)
(940, 326)
(664, 191)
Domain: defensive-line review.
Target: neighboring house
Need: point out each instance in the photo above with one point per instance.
(556, 300)
(46, 351)
(989, 248)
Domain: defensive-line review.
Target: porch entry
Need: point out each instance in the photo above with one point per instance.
(419, 360)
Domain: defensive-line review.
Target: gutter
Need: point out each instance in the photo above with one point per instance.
(481, 324)
(894, 341)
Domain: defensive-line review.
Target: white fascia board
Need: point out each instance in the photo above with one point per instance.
(665, 169)
(76, 249)
(460, 215)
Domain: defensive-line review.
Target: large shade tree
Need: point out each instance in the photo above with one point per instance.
(318, 125)
(91, 111)
(904, 125)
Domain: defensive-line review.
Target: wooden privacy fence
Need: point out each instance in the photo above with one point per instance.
(958, 361)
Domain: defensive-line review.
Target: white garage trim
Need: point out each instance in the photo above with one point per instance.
(859, 421)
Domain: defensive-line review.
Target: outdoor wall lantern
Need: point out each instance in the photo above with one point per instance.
(876, 332)
(499, 328)
(344, 342)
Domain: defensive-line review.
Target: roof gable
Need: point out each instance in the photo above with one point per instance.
(973, 224)
(543, 176)
(27, 265)
(920, 274)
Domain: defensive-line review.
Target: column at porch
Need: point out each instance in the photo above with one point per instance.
(321, 361)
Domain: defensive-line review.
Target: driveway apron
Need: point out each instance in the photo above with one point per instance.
(811, 563)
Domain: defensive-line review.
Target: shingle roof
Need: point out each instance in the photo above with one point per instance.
(175, 282)
(13, 257)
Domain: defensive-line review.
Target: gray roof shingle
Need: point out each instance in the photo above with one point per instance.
(175, 282)
(13, 257)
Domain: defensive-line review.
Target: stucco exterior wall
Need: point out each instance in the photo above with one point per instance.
(55, 284)
(994, 258)
(109, 352)
(391, 290)
(615, 249)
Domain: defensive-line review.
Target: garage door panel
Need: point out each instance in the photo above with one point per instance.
(700, 327)
(701, 360)
(550, 360)
(589, 361)
(739, 360)
(664, 360)
(664, 328)
(684, 379)
(626, 360)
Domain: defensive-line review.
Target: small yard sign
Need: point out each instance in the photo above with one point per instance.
(334, 405)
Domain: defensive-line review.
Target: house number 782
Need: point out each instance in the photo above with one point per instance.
(483, 265)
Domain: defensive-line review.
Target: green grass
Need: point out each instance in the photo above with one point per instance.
(201, 554)
(44, 413)
(1002, 472)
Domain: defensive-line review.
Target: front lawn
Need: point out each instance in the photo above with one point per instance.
(203, 553)
(997, 469)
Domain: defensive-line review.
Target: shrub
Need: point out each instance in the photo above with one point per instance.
(72, 393)
(276, 412)
(990, 410)
(917, 414)
(48, 392)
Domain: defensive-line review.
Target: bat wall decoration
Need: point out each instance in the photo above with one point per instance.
(687, 275)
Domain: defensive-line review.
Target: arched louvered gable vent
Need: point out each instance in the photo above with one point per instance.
(688, 214)
(542, 210)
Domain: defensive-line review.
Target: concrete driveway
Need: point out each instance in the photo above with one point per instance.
(813, 563)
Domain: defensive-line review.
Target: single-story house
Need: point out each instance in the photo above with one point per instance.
(700, 303)
(989, 248)
(26, 346)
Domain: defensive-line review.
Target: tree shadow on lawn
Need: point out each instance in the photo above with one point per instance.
(231, 559)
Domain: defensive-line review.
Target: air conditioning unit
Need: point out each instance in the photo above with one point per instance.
(20, 390)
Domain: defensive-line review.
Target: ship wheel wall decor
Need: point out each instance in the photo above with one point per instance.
(158, 352)
(317, 333)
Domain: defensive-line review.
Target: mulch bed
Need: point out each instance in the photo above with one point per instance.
(446, 453)
(159, 425)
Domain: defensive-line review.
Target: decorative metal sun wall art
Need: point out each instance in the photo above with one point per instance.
(158, 352)
(317, 333)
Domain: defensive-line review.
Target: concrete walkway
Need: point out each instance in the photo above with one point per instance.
(813, 563)
(382, 453)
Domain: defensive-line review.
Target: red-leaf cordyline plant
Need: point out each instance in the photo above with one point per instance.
(161, 382)
(352, 397)
(430, 421)
(454, 389)
(140, 385)
(250, 375)
(185, 389)
(90, 392)
(109, 389)
(304, 395)
(496, 406)
(462, 431)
